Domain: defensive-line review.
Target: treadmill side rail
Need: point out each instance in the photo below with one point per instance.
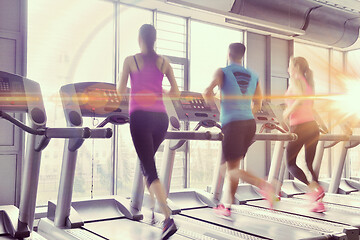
(10, 224)
(72, 221)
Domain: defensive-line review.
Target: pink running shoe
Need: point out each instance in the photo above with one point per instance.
(267, 191)
(222, 211)
(316, 194)
(318, 208)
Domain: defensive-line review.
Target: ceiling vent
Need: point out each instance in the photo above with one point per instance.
(322, 21)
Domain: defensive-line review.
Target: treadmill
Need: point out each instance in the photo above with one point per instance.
(21, 95)
(345, 218)
(197, 205)
(337, 184)
(108, 217)
(339, 191)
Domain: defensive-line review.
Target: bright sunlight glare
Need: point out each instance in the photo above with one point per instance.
(347, 104)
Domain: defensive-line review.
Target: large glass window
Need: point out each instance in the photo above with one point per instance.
(208, 53)
(171, 35)
(353, 57)
(128, 45)
(336, 78)
(318, 59)
(68, 44)
(353, 160)
(171, 42)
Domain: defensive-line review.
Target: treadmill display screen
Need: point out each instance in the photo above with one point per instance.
(194, 103)
(12, 95)
(191, 106)
(4, 85)
(100, 99)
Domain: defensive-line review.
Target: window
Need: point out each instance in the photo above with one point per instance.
(128, 45)
(171, 35)
(208, 53)
(336, 75)
(171, 32)
(353, 58)
(67, 44)
(171, 42)
(353, 160)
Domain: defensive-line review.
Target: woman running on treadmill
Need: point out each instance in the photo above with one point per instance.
(148, 118)
(299, 112)
(239, 89)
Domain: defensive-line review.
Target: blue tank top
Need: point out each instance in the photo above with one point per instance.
(238, 82)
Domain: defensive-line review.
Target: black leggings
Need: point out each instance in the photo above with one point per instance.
(308, 135)
(148, 131)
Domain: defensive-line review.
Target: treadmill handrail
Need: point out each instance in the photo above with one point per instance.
(101, 133)
(21, 125)
(334, 137)
(69, 132)
(193, 135)
(75, 132)
(275, 137)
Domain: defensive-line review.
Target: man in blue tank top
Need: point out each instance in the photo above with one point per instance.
(240, 97)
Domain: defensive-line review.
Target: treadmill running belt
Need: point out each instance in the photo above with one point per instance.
(124, 229)
(252, 225)
(344, 200)
(334, 213)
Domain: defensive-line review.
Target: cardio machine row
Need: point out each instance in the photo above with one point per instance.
(208, 227)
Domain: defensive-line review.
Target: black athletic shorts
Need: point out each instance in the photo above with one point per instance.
(238, 136)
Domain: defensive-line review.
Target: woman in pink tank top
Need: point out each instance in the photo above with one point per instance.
(299, 111)
(148, 119)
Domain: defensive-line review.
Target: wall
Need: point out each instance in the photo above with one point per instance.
(268, 57)
(12, 59)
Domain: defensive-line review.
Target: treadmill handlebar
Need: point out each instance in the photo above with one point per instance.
(49, 132)
(193, 135)
(21, 125)
(74, 132)
(101, 133)
(334, 137)
(275, 137)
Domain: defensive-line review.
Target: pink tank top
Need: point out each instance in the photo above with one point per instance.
(304, 112)
(146, 87)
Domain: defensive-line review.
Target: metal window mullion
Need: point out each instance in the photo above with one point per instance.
(114, 143)
(345, 70)
(268, 70)
(245, 41)
(330, 59)
(21, 55)
(186, 88)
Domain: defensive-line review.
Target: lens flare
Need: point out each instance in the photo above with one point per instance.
(348, 103)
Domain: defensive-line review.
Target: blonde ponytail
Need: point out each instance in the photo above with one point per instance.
(308, 74)
(303, 66)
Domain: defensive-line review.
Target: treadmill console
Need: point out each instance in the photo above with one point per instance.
(19, 94)
(12, 94)
(191, 106)
(266, 115)
(100, 100)
(271, 116)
